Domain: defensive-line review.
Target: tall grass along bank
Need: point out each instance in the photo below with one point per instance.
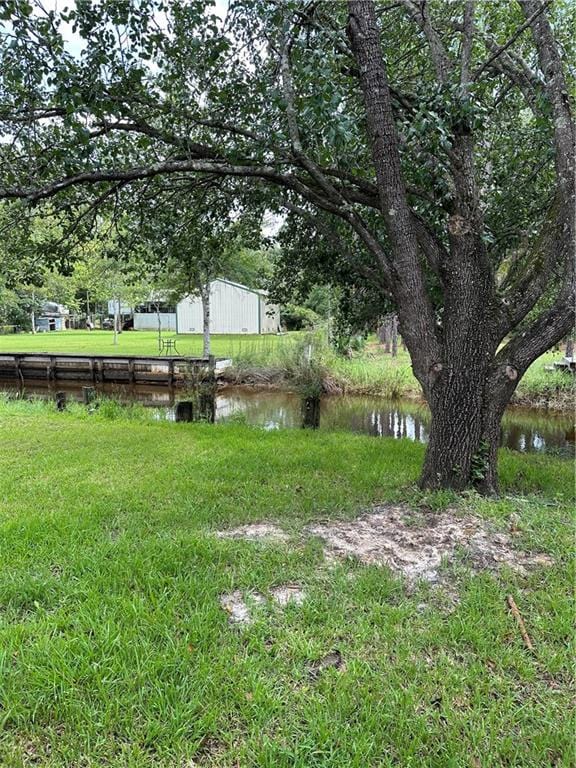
(371, 371)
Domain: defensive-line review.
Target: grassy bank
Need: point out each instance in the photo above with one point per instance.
(114, 650)
(278, 361)
(373, 372)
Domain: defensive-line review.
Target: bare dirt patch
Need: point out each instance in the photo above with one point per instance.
(287, 594)
(241, 606)
(255, 532)
(416, 545)
(332, 660)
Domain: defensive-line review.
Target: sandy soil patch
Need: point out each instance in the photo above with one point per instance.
(255, 532)
(241, 607)
(416, 545)
(286, 594)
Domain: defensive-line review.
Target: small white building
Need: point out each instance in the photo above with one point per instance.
(234, 308)
(53, 317)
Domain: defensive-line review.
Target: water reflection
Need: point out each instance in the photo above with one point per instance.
(522, 429)
(377, 417)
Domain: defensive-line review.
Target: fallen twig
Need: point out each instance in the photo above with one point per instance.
(520, 622)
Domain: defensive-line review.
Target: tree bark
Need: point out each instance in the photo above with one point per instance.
(465, 431)
(386, 336)
(455, 430)
(466, 380)
(205, 297)
(408, 285)
(33, 313)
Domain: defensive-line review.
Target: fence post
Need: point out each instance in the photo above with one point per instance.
(60, 398)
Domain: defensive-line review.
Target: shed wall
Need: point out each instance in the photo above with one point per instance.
(233, 309)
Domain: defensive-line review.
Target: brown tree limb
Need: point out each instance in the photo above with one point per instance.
(436, 254)
(520, 621)
(554, 248)
(420, 13)
(556, 89)
(192, 148)
(550, 327)
(337, 243)
(540, 9)
(416, 313)
(467, 43)
(293, 130)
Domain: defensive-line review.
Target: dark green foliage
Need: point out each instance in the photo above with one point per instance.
(298, 318)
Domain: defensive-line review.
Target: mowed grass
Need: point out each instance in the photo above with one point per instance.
(132, 342)
(114, 650)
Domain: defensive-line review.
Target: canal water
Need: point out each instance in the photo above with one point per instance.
(523, 429)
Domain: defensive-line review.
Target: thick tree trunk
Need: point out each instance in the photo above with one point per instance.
(462, 451)
(465, 433)
(485, 464)
(205, 296)
(456, 404)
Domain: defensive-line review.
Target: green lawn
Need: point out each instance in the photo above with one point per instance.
(114, 650)
(131, 342)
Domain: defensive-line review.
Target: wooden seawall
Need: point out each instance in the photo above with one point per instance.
(102, 369)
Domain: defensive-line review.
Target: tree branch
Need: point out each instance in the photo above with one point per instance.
(553, 249)
(293, 131)
(519, 76)
(557, 91)
(191, 148)
(548, 329)
(467, 42)
(498, 51)
(415, 309)
(420, 14)
(337, 243)
(436, 255)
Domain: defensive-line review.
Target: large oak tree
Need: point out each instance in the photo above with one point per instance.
(440, 135)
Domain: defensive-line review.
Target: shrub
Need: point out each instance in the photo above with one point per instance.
(297, 318)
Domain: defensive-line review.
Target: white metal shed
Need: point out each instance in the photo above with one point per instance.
(234, 308)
